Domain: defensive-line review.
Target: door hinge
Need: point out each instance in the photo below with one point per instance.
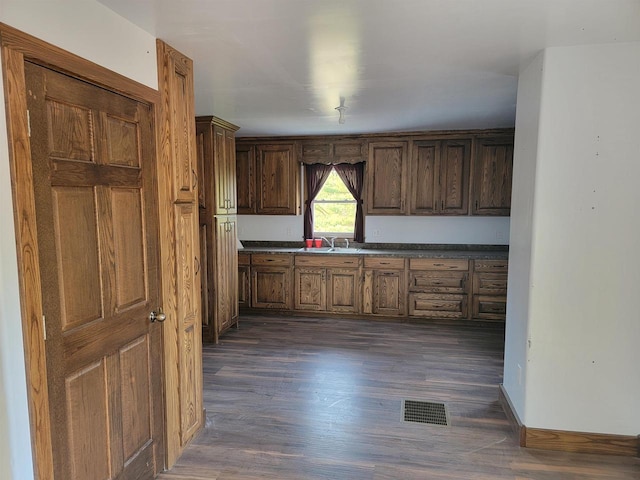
(44, 327)
(29, 128)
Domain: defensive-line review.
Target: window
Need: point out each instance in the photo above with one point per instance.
(334, 209)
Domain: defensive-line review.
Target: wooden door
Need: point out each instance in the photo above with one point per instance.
(277, 179)
(492, 174)
(425, 191)
(455, 161)
(310, 289)
(246, 179)
(93, 162)
(387, 178)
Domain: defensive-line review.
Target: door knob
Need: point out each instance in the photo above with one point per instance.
(157, 316)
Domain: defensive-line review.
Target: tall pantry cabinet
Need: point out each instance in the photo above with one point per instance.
(216, 153)
(180, 251)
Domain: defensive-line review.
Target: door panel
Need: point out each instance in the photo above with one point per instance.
(93, 163)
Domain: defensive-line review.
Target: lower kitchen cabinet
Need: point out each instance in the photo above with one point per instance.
(271, 281)
(327, 283)
(343, 290)
(384, 286)
(489, 290)
(310, 289)
(244, 281)
(438, 288)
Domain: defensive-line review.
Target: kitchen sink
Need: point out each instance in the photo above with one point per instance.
(335, 250)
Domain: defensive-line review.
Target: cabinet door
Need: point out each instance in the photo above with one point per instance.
(310, 289)
(437, 305)
(224, 171)
(388, 292)
(244, 282)
(489, 307)
(246, 179)
(492, 173)
(271, 287)
(230, 176)
(277, 180)
(343, 290)
(181, 125)
(200, 159)
(226, 273)
(455, 161)
(387, 178)
(206, 276)
(189, 320)
(425, 196)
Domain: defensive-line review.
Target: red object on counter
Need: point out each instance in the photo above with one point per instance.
(317, 242)
(308, 242)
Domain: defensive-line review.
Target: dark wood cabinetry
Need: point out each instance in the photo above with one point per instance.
(330, 284)
(244, 280)
(268, 178)
(438, 288)
(492, 175)
(246, 178)
(440, 177)
(329, 150)
(387, 178)
(218, 226)
(271, 277)
(489, 289)
(384, 286)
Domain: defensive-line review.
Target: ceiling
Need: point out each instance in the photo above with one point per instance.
(281, 66)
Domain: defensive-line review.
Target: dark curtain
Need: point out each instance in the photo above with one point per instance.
(353, 177)
(316, 175)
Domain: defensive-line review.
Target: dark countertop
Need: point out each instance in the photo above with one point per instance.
(475, 252)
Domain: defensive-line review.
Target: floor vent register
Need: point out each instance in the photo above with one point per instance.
(433, 413)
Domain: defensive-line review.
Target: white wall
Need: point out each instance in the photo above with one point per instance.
(387, 229)
(583, 320)
(88, 29)
(519, 287)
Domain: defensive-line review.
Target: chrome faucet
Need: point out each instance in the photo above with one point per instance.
(330, 242)
(347, 242)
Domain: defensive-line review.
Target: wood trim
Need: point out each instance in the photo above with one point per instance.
(55, 58)
(582, 442)
(217, 121)
(18, 47)
(405, 136)
(566, 441)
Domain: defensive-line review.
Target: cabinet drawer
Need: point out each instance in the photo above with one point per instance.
(490, 284)
(433, 305)
(326, 260)
(438, 264)
(270, 259)
(384, 263)
(491, 265)
(244, 258)
(489, 308)
(438, 282)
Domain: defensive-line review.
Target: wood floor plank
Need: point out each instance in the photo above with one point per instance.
(321, 399)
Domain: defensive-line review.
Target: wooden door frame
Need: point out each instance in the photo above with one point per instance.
(18, 47)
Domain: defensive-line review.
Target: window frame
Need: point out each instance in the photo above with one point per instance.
(316, 234)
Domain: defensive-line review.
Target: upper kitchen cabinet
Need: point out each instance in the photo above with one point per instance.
(440, 177)
(330, 150)
(217, 162)
(246, 178)
(268, 177)
(387, 167)
(492, 170)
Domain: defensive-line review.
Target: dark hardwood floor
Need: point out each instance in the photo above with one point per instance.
(301, 398)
